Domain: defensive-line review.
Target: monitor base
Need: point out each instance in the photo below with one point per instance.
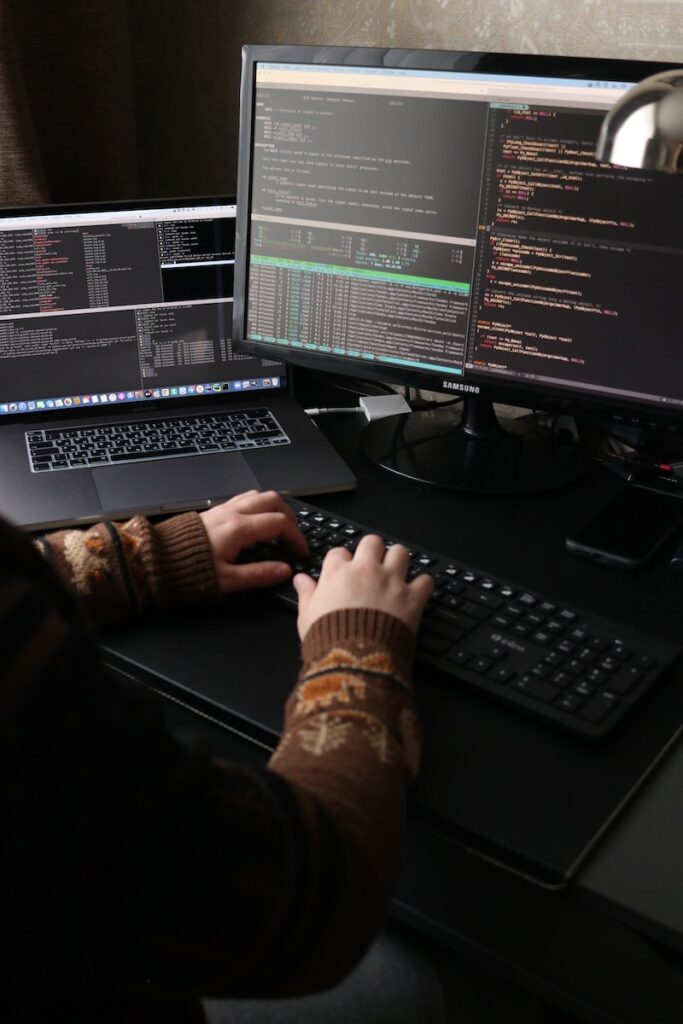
(476, 452)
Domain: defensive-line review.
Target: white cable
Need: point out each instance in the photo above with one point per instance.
(341, 408)
(375, 407)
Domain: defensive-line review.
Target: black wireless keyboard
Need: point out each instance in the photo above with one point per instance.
(563, 665)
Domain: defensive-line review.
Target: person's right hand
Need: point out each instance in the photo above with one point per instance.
(373, 577)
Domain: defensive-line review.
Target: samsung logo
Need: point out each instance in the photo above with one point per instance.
(451, 385)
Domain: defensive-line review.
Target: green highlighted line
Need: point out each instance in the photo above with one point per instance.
(360, 272)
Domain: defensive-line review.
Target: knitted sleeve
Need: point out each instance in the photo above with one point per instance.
(143, 873)
(121, 568)
(350, 749)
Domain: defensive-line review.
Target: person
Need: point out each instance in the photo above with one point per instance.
(140, 875)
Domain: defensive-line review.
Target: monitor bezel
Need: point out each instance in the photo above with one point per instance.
(528, 394)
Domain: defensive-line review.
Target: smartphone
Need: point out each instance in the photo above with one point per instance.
(629, 529)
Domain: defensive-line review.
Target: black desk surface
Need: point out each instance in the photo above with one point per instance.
(633, 873)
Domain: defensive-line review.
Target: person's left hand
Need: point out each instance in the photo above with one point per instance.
(251, 518)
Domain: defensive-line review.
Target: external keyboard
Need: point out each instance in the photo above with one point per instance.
(142, 440)
(530, 651)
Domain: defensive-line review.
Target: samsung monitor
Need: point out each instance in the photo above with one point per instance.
(439, 220)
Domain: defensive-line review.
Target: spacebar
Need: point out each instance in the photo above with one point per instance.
(152, 453)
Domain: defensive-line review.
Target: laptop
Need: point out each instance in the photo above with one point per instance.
(120, 392)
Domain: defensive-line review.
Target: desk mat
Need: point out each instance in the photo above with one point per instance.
(531, 799)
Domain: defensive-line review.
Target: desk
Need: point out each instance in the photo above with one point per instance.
(602, 947)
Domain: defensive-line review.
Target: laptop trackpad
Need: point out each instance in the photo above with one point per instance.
(163, 484)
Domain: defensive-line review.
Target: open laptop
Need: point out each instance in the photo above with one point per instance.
(119, 389)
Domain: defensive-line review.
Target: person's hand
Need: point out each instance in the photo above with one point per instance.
(373, 577)
(251, 518)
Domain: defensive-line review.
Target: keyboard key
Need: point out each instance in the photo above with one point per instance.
(495, 652)
(597, 707)
(570, 702)
(459, 657)
(537, 688)
(501, 674)
(433, 643)
(554, 658)
(625, 679)
(486, 599)
(477, 612)
(520, 629)
(155, 453)
(424, 561)
(563, 679)
(513, 611)
(445, 615)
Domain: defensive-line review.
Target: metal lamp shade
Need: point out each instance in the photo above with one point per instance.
(645, 127)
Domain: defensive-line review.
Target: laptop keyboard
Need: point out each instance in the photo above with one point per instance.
(530, 651)
(116, 443)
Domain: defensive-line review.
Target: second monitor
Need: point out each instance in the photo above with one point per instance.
(439, 220)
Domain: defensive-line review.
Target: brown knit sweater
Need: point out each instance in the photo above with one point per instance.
(141, 872)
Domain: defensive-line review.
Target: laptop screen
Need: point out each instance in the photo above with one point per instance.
(120, 303)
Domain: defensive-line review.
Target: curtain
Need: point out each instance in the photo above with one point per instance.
(67, 125)
(21, 172)
(116, 99)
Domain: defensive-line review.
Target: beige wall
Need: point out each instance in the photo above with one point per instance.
(198, 43)
(644, 28)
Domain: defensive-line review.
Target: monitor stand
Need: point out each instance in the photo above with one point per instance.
(474, 452)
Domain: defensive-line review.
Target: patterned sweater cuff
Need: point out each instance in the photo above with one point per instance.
(363, 628)
(186, 566)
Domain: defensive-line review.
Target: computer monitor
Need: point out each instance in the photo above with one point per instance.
(439, 220)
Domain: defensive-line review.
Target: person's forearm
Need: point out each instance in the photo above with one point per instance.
(120, 568)
(352, 744)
